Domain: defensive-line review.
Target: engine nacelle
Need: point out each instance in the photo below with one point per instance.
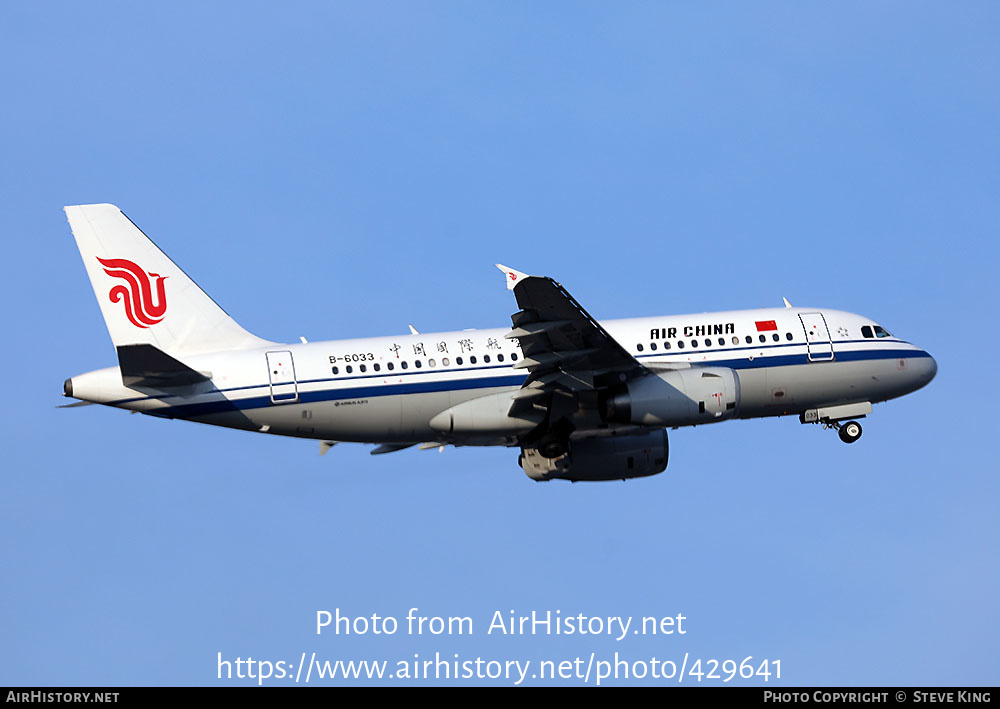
(677, 397)
(620, 457)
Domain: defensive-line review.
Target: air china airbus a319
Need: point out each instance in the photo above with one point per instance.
(582, 399)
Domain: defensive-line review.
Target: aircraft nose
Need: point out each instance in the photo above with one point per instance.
(925, 370)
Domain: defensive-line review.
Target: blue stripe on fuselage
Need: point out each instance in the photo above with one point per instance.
(308, 397)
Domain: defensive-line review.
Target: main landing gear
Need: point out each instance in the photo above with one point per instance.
(553, 447)
(848, 432)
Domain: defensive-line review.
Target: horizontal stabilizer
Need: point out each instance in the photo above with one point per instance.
(145, 365)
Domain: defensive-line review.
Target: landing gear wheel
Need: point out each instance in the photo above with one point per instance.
(850, 432)
(552, 448)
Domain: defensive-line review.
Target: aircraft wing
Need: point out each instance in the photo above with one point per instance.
(565, 349)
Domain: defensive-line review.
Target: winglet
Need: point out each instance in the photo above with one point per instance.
(787, 304)
(513, 277)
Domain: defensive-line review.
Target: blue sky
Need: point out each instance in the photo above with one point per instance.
(340, 170)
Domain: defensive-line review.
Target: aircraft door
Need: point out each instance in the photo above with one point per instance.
(818, 340)
(281, 372)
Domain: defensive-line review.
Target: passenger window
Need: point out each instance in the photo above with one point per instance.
(445, 362)
(736, 340)
(666, 345)
(866, 331)
(336, 370)
(652, 346)
(708, 342)
(486, 359)
(364, 368)
(722, 342)
(749, 340)
(680, 344)
(377, 367)
(391, 366)
(788, 336)
(403, 364)
(418, 364)
(458, 361)
(513, 356)
(431, 363)
(499, 358)
(694, 343)
(762, 338)
(349, 369)
(639, 348)
(775, 337)
(472, 359)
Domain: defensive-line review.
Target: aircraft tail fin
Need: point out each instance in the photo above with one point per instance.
(146, 299)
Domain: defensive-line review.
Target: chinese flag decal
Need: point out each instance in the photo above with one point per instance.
(766, 325)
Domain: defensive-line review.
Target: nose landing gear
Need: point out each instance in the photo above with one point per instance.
(848, 432)
(840, 418)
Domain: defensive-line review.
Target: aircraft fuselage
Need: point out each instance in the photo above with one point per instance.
(389, 389)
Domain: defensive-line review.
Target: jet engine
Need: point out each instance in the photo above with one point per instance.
(609, 457)
(677, 397)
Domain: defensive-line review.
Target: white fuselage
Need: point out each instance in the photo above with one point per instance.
(387, 389)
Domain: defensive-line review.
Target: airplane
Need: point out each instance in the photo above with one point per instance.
(583, 400)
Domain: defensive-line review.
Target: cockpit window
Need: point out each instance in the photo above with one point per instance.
(881, 332)
(867, 331)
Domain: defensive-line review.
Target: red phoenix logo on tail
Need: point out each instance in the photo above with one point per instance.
(138, 293)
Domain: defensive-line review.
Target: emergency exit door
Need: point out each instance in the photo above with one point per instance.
(281, 372)
(818, 340)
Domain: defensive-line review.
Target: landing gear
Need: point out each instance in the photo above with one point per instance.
(554, 443)
(849, 432)
(839, 418)
(552, 447)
